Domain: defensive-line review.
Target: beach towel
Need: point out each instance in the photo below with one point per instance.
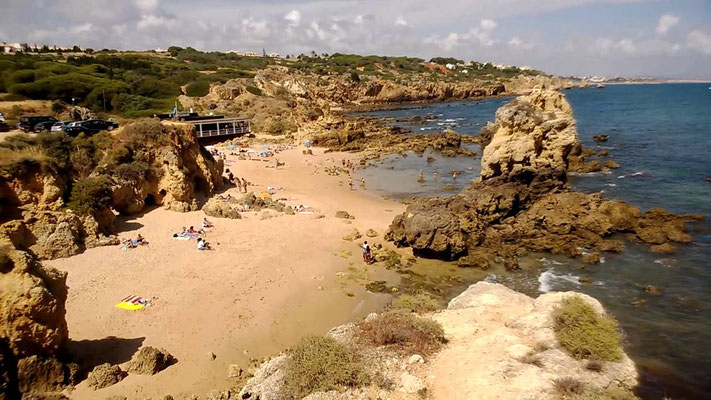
(264, 195)
(133, 303)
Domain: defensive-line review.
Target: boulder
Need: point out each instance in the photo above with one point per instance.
(666, 248)
(591, 258)
(371, 233)
(352, 235)
(38, 375)
(344, 215)
(221, 209)
(105, 375)
(473, 261)
(601, 138)
(150, 361)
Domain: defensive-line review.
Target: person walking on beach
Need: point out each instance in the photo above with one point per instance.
(421, 179)
(350, 182)
(244, 184)
(366, 253)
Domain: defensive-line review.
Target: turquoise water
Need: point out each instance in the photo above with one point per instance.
(661, 137)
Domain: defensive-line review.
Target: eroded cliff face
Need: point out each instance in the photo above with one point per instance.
(145, 163)
(522, 202)
(33, 327)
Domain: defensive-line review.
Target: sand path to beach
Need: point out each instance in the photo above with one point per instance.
(268, 283)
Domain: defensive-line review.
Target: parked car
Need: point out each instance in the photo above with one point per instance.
(29, 122)
(90, 127)
(4, 127)
(60, 126)
(44, 126)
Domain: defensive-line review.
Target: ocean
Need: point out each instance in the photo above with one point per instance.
(661, 137)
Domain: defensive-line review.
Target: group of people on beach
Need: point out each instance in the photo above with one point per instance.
(127, 244)
(197, 234)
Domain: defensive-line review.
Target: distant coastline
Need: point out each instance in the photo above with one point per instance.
(649, 81)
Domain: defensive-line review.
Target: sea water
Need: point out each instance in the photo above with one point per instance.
(661, 137)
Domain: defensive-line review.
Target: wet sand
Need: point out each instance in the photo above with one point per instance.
(268, 283)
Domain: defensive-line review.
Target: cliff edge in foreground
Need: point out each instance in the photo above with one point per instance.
(500, 344)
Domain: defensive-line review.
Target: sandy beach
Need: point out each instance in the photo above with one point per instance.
(272, 279)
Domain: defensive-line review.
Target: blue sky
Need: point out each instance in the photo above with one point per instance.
(659, 38)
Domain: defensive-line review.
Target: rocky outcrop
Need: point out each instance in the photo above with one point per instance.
(500, 344)
(504, 343)
(144, 163)
(33, 327)
(150, 361)
(535, 132)
(105, 375)
(177, 167)
(522, 201)
(222, 209)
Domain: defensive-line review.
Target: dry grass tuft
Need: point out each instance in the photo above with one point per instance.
(404, 331)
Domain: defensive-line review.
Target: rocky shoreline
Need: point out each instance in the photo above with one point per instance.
(523, 203)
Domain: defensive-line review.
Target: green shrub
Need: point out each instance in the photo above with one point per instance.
(198, 88)
(133, 171)
(584, 333)
(419, 302)
(280, 127)
(321, 364)
(89, 195)
(254, 90)
(403, 331)
(146, 130)
(58, 107)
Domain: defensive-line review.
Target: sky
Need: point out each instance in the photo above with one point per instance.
(651, 38)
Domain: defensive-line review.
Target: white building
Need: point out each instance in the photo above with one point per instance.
(450, 66)
(11, 48)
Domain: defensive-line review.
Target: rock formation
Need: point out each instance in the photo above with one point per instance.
(32, 324)
(504, 343)
(501, 344)
(522, 202)
(145, 163)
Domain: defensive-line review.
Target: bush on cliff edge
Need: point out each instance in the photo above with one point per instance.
(90, 195)
(585, 333)
(320, 364)
(404, 331)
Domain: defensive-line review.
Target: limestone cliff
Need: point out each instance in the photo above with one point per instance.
(32, 324)
(501, 344)
(522, 201)
(60, 205)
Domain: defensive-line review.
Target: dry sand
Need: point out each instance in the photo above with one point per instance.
(268, 283)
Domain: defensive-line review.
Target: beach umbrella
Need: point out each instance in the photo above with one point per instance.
(263, 154)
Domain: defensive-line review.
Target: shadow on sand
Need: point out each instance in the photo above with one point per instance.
(113, 350)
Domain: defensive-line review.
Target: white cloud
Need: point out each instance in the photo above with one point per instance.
(146, 5)
(153, 21)
(293, 17)
(699, 41)
(358, 20)
(400, 21)
(488, 24)
(518, 43)
(666, 22)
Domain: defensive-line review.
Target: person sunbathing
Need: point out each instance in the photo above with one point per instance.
(141, 240)
(203, 245)
(206, 224)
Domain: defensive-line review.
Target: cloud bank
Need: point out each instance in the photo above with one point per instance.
(503, 32)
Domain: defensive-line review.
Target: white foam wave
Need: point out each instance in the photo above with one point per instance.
(549, 278)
